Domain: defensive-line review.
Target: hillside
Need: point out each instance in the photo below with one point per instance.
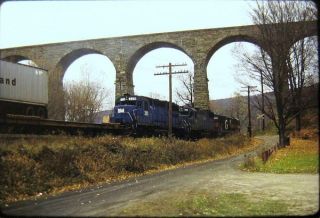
(238, 107)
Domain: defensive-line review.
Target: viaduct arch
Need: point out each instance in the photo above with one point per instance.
(124, 52)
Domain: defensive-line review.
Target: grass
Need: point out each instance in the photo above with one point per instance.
(203, 204)
(302, 156)
(230, 205)
(31, 167)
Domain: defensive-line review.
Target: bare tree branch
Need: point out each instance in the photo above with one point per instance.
(285, 71)
(185, 92)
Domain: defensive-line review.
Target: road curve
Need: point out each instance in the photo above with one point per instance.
(111, 199)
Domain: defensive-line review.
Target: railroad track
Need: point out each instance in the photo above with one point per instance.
(26, 125)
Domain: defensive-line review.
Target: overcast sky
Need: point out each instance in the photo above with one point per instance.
(37, 22)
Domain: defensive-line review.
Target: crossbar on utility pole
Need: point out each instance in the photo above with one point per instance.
(170, 89)
(249, 110)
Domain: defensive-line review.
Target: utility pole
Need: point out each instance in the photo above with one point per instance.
(262, 102)
(170, 89)
(249, 110)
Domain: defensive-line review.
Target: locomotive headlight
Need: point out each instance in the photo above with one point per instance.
(120, 110)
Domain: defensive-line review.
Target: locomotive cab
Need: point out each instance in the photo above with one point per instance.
(129, 109)
(187, 112)
(200, 122)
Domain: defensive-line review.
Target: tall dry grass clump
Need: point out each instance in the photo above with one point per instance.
(32, 166)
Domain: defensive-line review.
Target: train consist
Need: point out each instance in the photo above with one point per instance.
(24, 100)
(147, 116)
(23, 90)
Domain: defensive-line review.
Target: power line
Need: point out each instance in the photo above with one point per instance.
(170, 66)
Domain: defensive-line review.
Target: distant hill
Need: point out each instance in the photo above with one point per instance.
(238, 107)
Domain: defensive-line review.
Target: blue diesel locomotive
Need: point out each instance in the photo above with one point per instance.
(145, 115)
(148, 116)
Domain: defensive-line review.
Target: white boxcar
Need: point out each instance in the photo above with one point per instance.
(23, 84)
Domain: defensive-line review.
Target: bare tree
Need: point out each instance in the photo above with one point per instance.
(238, 106)
(156, 96)
(83, 100)
(185, 93)
(283, 71)
(301, 71)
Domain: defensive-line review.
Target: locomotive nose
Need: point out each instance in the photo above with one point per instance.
(120, 110)
(123, 114)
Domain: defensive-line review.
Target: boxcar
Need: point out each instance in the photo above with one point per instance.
(23, 90)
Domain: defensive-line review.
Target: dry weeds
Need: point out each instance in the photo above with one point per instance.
(31, 167)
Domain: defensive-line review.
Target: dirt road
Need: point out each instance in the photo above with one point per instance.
(299, 191)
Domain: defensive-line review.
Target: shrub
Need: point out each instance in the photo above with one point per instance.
(20, 175)
(249, 163)
(31, 166)
(306, 134)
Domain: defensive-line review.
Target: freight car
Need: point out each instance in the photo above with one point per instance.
(148, 115)
(23, 90)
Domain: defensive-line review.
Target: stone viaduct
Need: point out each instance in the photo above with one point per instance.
(125, 52)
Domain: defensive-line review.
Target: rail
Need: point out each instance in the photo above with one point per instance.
(18, 124)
